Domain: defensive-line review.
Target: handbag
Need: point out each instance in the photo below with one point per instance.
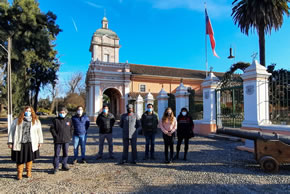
(191, 134)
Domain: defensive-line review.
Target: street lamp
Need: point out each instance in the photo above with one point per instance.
(9, 88)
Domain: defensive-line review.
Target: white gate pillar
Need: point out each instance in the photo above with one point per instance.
(181, 98)
(139, 106)
(162, 102)
(256, 96)
(256, 100)
(149, 99)
(208, 124)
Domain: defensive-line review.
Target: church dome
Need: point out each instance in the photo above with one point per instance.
(106, 32)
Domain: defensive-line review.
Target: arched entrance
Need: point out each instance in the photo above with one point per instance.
(112, 97)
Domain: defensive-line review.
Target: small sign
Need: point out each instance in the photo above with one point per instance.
(250, 90)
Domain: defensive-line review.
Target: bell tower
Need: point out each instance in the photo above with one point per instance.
(105, 44)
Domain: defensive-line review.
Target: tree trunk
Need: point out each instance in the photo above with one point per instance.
(37, 89)
(262, 45)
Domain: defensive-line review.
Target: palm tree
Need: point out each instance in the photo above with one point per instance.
(262, 15)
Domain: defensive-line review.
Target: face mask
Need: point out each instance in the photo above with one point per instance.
(168, 113)
(27, 114)
(61, 115)
(184, 113)
(129, 110)
(149, 109)
(80, 112)
(105, 111)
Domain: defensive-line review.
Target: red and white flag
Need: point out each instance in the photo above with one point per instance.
(209, 31)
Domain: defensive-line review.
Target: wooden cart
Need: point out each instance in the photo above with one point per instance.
(271, 153)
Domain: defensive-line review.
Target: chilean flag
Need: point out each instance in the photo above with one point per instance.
(209, 31)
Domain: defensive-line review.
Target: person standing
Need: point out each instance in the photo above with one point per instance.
(168, 126)
(105, 121)
(25, 138)
(81, 124)
(184, 131)
(149, 121)
(130, 123)
(62, 131)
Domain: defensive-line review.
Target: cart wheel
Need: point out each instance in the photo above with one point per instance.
(269, 164)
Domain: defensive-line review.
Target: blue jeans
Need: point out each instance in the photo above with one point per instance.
(57, 148)
(79, 140)
(150, 140)
(102, 137)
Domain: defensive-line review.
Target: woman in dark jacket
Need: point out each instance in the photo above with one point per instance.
(184, 131)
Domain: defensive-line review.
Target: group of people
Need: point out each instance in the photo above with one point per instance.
(25, 136)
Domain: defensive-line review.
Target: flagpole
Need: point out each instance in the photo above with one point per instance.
(206, 63)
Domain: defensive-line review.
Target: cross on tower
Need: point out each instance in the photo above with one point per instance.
(254, 55)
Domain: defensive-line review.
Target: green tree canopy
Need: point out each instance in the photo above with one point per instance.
(34, 61)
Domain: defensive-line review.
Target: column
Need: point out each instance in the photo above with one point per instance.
(208, 124)
(98, 100)
(256, 96)
(139, 106)
(149, 99)
(181, 98)
(162, 102)
(256, 100)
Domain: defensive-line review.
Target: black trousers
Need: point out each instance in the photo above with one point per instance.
(168, 143)
(179, 142)
(126, 142)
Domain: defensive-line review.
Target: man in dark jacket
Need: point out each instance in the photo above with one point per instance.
(149, 123)
(130, 123)
(81, 123)
(61, 130)
(105, 121)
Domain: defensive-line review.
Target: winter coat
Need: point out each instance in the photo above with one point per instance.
(149, 122)
(80, 124)
(130, 124)
(62, 130)
(184, 126)
(105, 123)
(15, 135)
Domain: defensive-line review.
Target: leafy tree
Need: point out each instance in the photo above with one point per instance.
(34, 62)
(262, 15)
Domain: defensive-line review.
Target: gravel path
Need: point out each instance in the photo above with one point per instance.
(213, 166)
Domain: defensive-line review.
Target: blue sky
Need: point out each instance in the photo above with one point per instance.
(159, 32)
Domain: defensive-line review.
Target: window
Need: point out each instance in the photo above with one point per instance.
(142, 88)
(107, 58)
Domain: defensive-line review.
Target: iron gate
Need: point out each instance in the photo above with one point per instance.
(230, 107)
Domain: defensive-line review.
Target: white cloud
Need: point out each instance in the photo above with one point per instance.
(215, 7)
(94, 5)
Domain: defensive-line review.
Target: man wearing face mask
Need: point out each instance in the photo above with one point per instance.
(62, 131)
(130, 123)
(81, 123)
(149, 123)
(105, 121)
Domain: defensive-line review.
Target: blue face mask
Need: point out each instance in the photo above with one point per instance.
(61, 115)
(27, 114)
(150, 109)
(105, 111)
